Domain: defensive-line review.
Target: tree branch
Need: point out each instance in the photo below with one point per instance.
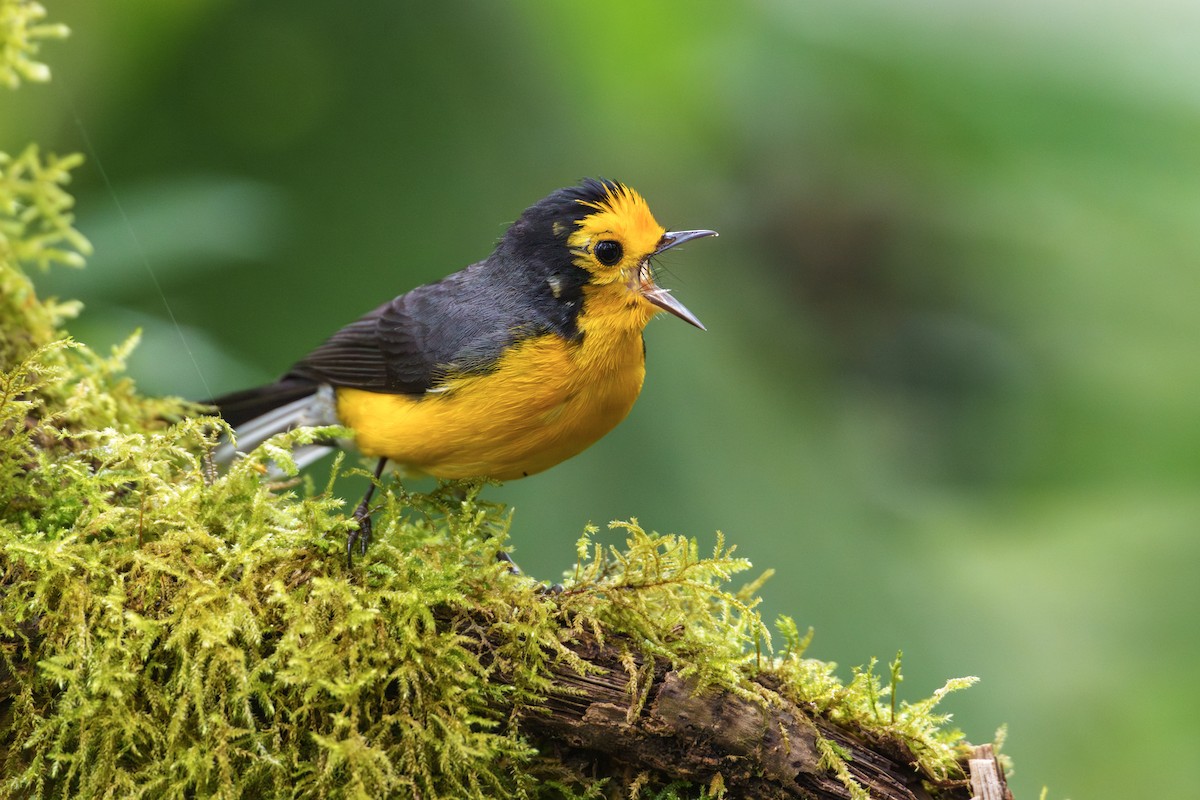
(602, 723)
(753, 747)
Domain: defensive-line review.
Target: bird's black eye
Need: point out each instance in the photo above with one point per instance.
(608, 252)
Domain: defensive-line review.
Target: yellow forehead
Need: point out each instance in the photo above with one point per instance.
(621, 214)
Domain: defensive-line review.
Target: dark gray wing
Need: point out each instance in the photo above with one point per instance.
(459, 325)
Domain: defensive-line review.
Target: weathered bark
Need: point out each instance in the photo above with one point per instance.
(758, 748)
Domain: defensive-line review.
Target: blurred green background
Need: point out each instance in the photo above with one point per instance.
(949, 387)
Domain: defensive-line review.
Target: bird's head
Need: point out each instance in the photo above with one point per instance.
(608, 234)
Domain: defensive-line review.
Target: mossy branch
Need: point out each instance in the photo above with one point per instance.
(168, 631)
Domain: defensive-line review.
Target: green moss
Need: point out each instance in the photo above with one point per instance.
(21, 34)
(867, 705)
(35, 229)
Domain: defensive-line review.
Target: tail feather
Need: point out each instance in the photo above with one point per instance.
(260, 413)
(238, 408)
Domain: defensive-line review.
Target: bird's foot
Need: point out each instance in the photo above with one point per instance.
(362, 515)
(513, 569)
(360, 535)
(505, 558)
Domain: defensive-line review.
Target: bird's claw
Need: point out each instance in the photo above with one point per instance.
(361, 535)
(551, 590)
(505, 558)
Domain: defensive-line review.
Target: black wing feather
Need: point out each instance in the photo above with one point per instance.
(459, 325)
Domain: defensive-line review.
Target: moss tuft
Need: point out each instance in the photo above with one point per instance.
(22, 31)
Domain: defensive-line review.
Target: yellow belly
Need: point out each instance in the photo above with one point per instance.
(546, 400)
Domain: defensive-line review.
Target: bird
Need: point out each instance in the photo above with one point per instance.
(498, 371)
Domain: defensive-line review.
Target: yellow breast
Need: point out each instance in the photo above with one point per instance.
(546, 400)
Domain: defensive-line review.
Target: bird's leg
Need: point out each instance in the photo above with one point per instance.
(504, 558)
(551, 589)
(362, 515)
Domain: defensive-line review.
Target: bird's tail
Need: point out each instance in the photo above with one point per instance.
(258, 414)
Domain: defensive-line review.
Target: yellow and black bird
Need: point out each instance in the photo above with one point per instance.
(498, 371)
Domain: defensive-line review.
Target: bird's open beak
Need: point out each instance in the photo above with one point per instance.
(656, 294)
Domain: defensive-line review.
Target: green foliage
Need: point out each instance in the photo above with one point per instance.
(868, 705)
(21, 34)
(655, 589)
(36, 228)
(196, 636)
